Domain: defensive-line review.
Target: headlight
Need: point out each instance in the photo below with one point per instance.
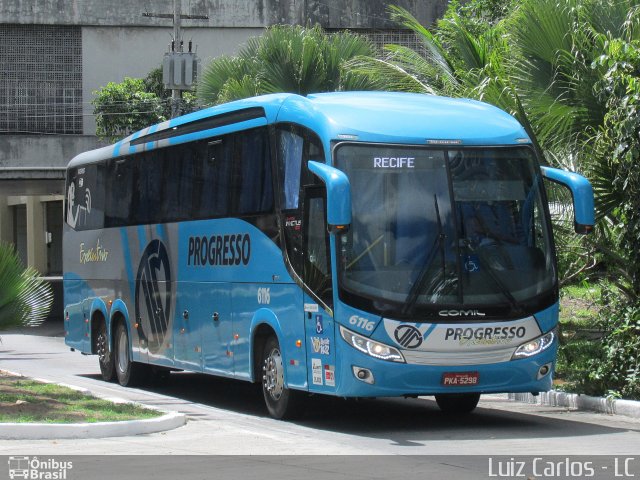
(371, 347)
(535, 346)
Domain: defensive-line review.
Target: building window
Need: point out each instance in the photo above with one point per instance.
(41, 90)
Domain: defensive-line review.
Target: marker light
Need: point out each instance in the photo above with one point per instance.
(535, 346)
(370, 347)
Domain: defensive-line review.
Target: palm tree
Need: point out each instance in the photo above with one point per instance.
(458, 64)
(24, 298)
(285, 59)
(537, 63)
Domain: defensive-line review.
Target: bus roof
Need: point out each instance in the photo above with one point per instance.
(383, 117)
(403, 118)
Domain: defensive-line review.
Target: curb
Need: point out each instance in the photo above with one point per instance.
(44, 431)
(574, 401)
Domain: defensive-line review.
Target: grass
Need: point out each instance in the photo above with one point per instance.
(579, 305)
(23, 400)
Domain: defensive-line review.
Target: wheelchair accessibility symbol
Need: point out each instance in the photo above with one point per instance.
(471, 265)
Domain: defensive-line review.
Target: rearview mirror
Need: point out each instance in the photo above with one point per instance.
(338, 195)
(582, 194)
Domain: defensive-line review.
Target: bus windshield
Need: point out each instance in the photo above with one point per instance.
(440, 231)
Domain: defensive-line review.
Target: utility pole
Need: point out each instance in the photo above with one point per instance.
(179, 68)
(176, 94)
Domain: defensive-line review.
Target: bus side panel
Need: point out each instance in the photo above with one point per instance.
(280, 306)
(187, 324)
(75, 290)
(92, 265)
(217, 330)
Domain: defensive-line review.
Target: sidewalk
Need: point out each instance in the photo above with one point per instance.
(574, 401)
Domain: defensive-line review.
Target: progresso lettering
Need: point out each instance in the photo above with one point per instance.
(220, 250)
(488, 333)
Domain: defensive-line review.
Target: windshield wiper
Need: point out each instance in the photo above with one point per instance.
(438, 245)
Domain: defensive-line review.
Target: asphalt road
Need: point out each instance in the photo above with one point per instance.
(228, 417)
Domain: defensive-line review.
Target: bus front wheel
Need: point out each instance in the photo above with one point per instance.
(129, 373)
(458, 403)
(281, 402)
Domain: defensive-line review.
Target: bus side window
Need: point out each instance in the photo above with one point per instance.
(254, 186)
(290, 149)
(148, 192)
(85, 197)
(119, 188)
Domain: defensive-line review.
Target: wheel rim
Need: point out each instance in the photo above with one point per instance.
(123, 352)
(102, 348)
(273, 374)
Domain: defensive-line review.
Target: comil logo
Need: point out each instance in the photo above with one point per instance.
(38, 469)
(153, 294)
(408, 336)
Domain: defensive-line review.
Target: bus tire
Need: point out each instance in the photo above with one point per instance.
(458, 403)
(105, 354)
(129, 373)
(281, 402)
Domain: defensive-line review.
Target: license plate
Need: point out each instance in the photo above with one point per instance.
(460, 379)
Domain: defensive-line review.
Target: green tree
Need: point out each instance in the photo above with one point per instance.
(24, 298)
(125, 107)
(135, 103)
(285, 59)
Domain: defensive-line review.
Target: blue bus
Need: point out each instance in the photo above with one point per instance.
(355, 244)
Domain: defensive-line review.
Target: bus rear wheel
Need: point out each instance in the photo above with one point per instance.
(105, 355)
(458, 403)
(282, 402)
(129, 373)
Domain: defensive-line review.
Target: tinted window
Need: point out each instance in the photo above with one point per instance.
(252, 180)
(226, 176)
(119, 189)
(85, 197)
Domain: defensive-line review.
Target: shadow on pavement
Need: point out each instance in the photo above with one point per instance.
(403, 421)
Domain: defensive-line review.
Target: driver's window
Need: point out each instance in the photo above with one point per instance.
(317, 266)
(296, 146)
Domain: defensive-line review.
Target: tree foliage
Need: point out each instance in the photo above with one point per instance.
(24, 298)
(125, 107)
(133, 104)
(286, 58)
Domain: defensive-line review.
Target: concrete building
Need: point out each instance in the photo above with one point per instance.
(55, 53)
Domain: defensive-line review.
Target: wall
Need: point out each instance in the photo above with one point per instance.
(42, 151)
(222, 13)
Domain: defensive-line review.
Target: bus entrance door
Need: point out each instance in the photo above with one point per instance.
(317, 276)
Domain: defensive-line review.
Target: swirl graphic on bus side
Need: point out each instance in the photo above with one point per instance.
(153, 288)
